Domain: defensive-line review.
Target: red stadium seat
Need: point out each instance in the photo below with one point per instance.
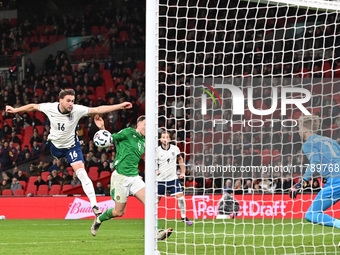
(66, 188)
(100, 92)
(266, 157)
(19, 192)
(32, 180)
(31, 189)
(28, 132)
(43, 190)
(9, 122)
(44, 175)
(43, 187)
(7, 192)
(93, 175)
(55, 190)
(40, 116)
(70, 170)
(23, 184)
(104, 174)
(40, 129)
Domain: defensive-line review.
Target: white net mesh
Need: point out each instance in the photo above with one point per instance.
(216, 57)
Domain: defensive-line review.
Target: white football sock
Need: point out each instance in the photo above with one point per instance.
(87, 186)
(182, 206)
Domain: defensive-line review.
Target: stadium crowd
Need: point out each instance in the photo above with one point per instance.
(111, 27)
(98, 81)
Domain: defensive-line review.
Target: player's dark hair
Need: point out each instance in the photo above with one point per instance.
(140, 118)
(66, 92)
(166, 132)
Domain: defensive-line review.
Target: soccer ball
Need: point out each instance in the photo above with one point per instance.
(102, 139)
(2, 217)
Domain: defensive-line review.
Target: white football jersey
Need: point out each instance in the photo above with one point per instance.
(63, 133)
(167, 162)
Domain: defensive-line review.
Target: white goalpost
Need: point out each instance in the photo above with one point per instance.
(151, 81)
(229, 80)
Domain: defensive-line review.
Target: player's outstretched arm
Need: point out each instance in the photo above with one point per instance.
(109, 108)
(99, 122)
(25, 108)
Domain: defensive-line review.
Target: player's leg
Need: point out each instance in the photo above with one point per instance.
(316, 213)
(111, 213)
(140, 195)
(75, 157)
(119, 193)
(177, 190)
(86, 183)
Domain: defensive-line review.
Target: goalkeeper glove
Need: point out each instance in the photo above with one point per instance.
(296, 188)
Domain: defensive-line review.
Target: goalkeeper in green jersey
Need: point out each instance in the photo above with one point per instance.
(125, 180)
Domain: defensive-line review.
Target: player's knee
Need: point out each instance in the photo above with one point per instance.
(308, 216)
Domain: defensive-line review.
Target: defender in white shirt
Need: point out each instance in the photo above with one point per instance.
(64, 117)
(166, 157)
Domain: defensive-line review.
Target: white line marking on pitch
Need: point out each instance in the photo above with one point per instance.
(312, 253)
(80, 241)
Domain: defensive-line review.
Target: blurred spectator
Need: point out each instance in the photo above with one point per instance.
(90, 160)
(50, 181)
(36, 149)
(190, 183)
(287, 183)
(30, 68)
(14, 138)
(257, 189)
(35, 137)
(55, 176)
(13, 72)
(99, 188)
(39, 182)
(27, 121)
(64, 179)
(27, 158)
(316, 185)
(15, 185)
(43, 167)
(17, 120)
(265, 184)
(107, 191)
(4, 157)
(45, 145)
(22, 154)
(33, 170)
(228, 185)
(13, 152)
(104, 167)
(5, 185)
(55, 166)
(22, 176)
(75, 181)
(248, 187)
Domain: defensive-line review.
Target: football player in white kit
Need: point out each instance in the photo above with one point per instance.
(64, 117)
(166, 157)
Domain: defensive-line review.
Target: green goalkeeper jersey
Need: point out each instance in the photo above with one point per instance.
(130, 148)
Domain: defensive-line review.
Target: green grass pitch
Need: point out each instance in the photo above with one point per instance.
(126, 237)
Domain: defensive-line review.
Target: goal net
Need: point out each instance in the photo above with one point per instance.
(234, 77)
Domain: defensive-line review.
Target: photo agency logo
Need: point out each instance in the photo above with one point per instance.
(238, 103)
